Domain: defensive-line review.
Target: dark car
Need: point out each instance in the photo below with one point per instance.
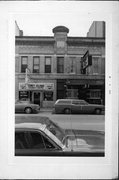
(39, 136)
(77, 106)
(26, 107)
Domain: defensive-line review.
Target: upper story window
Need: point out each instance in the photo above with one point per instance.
(36, 64)
(24, 64)
(60, 64)
(47, 64)
(95, 65)
(72, 65)
(103, 65)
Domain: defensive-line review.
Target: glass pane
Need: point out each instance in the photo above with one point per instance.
(48, 60)
(47, 68)
(36, 60)
(60, 64)
(36, 66)
(23, 68)
(24, 60)
(20, 141)
(36, 140)
(95, 64)
(75, 102)
(48, 96)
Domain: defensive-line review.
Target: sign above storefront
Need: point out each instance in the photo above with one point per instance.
(36, 86)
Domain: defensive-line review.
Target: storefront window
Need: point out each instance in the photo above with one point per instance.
(23, 95)
(48, 96)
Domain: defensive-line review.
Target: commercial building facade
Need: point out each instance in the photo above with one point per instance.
(48, 68)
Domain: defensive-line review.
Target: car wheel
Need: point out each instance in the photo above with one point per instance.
(28, 110)
(67, 111)
(98, 111)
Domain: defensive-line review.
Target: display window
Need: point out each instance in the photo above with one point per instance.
(48, 96)
(23, 95)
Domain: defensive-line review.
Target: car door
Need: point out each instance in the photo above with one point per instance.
(76, 106)
(33, 143)
(85, 107)
(18, 107)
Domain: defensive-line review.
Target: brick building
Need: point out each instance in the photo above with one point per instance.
(58, 67)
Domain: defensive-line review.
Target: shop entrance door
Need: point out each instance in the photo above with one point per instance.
(36, 98)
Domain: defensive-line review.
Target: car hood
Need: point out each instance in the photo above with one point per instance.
(84, 140)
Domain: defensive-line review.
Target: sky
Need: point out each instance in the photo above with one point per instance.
(40, 18)
(41, 21)
(42, 25)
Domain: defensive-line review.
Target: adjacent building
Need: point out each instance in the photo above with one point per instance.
(18, 31)
(97, 29)
(48, 68)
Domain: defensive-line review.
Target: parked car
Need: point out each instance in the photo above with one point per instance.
(39, 136)
(26, 107)
(75, 106)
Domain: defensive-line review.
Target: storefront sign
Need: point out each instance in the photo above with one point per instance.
(23, 94)
(87, 60)
(36, 86)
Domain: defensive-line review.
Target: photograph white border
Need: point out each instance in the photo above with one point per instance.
(57, 167)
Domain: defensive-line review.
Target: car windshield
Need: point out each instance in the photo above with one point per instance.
(56, 130)
(24, 102)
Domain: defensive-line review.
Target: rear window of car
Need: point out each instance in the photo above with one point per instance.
(78, 102)
(64, 102)
(75, 102)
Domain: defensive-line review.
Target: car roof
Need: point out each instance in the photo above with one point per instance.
(38, 126)
(32, 119)
(19, 101)
(27, 125)
(64, 100)
(70, 100)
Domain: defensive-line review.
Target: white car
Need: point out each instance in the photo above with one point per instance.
(36, 136)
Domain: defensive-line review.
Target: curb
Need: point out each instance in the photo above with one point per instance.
(46, 110)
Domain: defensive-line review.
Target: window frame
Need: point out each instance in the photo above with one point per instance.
(48, 66)
(60, 65)
(23, 70)
(72, 64)
(64, 102)
(46, 92)
(79, 102)
(36, 64)
(95, 64)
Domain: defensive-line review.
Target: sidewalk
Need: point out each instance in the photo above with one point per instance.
(46, 109)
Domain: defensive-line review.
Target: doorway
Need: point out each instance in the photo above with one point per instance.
(36, 98)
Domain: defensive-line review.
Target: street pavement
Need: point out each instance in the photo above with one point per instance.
(80, 121)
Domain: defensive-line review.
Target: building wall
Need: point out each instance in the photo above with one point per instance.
(72, 49)
(96, 52)
(97, 29)
(18, 32)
